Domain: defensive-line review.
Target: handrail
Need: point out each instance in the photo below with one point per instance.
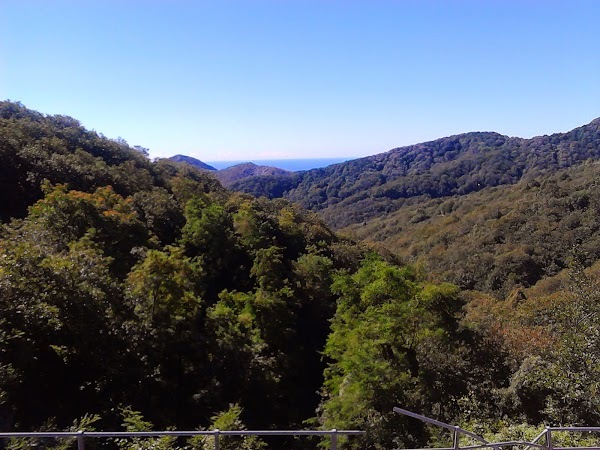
(58, 434)
(223, 433)
(547, 432)
(333, 433)
(80, 435)
(439, 424)
(583, 429)
(537, 438)
(492, 445)
(503, 444)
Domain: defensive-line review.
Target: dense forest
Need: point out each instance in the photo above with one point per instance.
(357, 191)
(498, 238)
(139, 294)
(480, 210)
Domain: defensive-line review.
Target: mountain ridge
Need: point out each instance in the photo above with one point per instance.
(453, 165)
(192, 161)
(242, 171)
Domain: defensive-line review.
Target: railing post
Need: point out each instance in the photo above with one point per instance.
(334, 436)
(216, 434)
(80, 443)
(549, 439)
(456, 439)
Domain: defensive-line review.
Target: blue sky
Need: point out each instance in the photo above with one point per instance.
(236, 80)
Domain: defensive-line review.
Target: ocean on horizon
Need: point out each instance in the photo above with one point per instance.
(293, 165)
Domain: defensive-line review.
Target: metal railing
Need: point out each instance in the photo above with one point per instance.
(81, 435)
(545, 435)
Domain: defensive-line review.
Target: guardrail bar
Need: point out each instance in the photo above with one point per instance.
(91, 434)
(591, 429)
(439, 424)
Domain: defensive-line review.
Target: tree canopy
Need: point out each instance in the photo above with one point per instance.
(137, 294)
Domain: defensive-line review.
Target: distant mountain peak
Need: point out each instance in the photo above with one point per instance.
(191, 161)
(245, 170)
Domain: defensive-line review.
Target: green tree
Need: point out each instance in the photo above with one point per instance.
(208, 237)
(59, 318)
(164, 292)
(134, 421)
(389, 333)
(229, 419)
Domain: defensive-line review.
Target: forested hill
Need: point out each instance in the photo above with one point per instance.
(501, 237)
(358, 190)
(192, 161)
(128, 285)
(35, 147)
(138, 295)
(232, 174)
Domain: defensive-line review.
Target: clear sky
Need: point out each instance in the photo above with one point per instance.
(236, 80)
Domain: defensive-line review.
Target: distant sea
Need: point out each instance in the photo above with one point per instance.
(292, 165)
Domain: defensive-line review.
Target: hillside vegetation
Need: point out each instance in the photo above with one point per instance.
(137, 292)
(360, 190)
(127, 282)
(138, 295)
(497, 238)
